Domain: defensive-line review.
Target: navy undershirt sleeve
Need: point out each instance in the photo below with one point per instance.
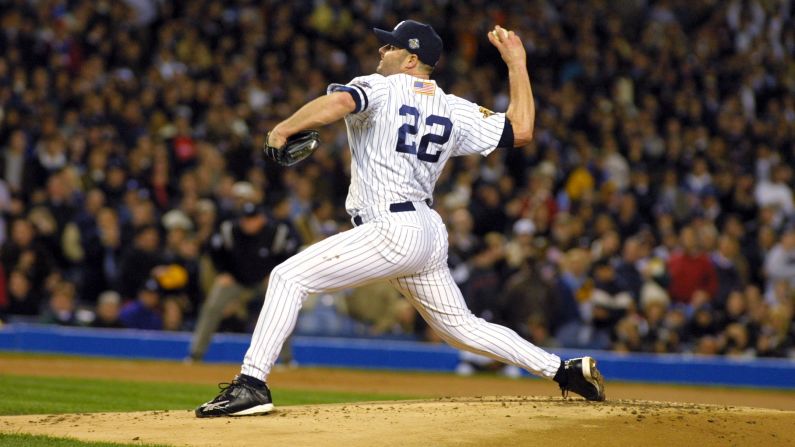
(506, 139)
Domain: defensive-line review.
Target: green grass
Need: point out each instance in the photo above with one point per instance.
(48, 395)
(48, 441)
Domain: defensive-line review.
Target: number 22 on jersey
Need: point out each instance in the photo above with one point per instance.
(410, 128)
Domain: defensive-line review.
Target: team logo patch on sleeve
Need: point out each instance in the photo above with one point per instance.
(424, 88)
(486, 112)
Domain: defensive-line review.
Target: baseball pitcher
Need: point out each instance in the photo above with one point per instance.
(402, 129)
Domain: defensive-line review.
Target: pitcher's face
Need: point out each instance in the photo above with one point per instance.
(392, 59)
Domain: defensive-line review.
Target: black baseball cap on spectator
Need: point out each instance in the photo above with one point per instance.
(414, 37)
(250, 209)
(150, 285)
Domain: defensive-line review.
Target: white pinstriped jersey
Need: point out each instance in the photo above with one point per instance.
(402, 132)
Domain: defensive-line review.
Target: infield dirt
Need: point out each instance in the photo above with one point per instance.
(454, 414)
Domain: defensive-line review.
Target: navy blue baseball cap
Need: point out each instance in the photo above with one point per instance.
(414, 37)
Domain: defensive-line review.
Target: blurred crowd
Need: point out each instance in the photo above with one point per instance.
(653, 212)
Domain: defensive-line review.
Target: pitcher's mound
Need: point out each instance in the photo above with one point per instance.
(479, 421)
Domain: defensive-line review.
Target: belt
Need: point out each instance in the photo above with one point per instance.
(399, 207)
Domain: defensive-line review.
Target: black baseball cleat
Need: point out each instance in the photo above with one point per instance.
(245, 396)
(581, 376)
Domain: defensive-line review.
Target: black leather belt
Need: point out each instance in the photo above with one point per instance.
(399, 207)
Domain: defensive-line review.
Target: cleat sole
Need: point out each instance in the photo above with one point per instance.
(259, 409)
(593, 377)
(253, 411)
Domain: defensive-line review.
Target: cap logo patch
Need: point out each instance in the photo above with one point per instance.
(414, 44)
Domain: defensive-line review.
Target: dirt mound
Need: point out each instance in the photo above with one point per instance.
(721, 417)
(480, 421)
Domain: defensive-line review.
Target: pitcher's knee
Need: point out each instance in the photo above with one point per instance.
(285, 278)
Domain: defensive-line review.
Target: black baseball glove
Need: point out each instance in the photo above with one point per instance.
(296, 148)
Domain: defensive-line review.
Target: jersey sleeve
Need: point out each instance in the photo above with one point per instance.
(368, 92)
(480, 128)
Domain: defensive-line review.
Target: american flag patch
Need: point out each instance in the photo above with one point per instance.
(424, 87)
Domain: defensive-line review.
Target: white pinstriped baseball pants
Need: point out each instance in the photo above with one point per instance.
(409, 249)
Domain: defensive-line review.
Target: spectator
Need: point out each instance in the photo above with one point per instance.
(485, 277)
(627, 267)
(574, 325)
(108, 311)
(728, 273)
(777, 193)
(614, 164)
(657, 337)
(627, 219)
(671, 198)
(181, 253)
(641, 188)
(25, 253)
(13, 162)
(779, 263)
(611, 301)
(60, 204)
(606, 247)
(757, 251)
(736, 309)
(205, 217)
(145, 311)
(62, 309)
(173, 319)
(79, 235)
(629, 335)
(47, 236)
(690, 269)
(775, 334)
(743, 202)
(103, 253)
(487, 211)
(530, 302)
(244, 252)
(114, 182)
(137, 262)
(702, 324)
(699, 180)
(23, 298)
(736, 341)
(463, 242)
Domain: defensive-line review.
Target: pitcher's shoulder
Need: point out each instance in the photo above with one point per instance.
(369, 81)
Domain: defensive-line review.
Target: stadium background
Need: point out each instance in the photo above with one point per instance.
(661, 130)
